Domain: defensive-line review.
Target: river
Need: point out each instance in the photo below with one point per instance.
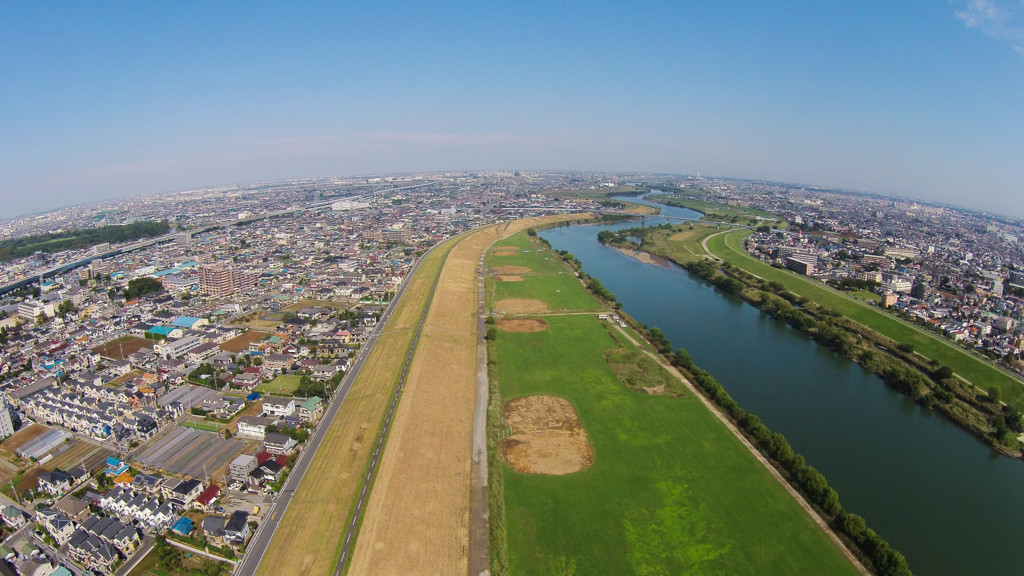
(951, 504)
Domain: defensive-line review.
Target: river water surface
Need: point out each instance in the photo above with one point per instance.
(952, 505)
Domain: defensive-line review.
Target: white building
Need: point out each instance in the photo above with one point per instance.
(31, 309)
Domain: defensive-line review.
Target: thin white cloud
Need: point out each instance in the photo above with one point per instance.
(451, 139)
(1002, 20)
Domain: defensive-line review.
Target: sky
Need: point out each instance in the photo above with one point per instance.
(917, 98)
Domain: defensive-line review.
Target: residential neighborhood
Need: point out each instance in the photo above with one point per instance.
(165, 391)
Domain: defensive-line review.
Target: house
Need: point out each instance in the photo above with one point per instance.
(56, 523)
(149, 483)
(55, 483)
(182, 492)
(311, 409)
(278, 362)
(207, 497)
(242, 466)
(145, 426)
(278, 443)
(236, 529)
(275, 406)
(213, 529)
(247, 380)
(74, 508)
(115, 467)
(92, 552)
(252, 427)
(13, 516)
(327, 371)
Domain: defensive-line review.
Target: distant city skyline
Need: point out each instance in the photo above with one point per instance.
(916, 99)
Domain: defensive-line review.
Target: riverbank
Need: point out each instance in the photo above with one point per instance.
(748, 520)
(925, 381)
(645, 257)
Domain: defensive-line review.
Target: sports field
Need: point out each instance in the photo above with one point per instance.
(671, 489)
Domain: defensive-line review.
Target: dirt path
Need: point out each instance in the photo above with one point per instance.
(757, 454)
(704, 244)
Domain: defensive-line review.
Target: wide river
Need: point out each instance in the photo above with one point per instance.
(952, 505)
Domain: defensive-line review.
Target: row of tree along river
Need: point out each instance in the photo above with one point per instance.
(951, 504)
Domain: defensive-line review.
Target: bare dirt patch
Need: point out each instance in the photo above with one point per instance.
(512, 270)
(240, 343)
(506, 250)
(24, 436)
(547, 437)
(504, 278)
(121, 348)
(522, 325)
(521, 306)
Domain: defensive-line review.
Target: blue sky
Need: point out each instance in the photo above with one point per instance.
(917, 98)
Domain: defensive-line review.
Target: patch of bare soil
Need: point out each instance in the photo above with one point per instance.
(522, 325)
(24, 436)
(504, 278)
(506, 250)
(547, 437)
(521, 306)
(512, 270)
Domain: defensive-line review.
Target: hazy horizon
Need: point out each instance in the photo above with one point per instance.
(919, 99)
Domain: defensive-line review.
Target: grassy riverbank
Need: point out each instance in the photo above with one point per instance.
(933, 371)
(671, 490)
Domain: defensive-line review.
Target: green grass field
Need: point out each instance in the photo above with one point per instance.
(549, 280)
(722, 212)
(199, 424)
(284, 384)
(683, 244)
(671, 490)
(975, 370)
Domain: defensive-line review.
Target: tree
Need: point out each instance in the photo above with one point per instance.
(66, 307)
(994, 394)
(854, 526)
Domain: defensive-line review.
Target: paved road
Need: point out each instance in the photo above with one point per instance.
(259, 543)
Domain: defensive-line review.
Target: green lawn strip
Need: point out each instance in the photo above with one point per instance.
(561, 293)
(671, 490)
(550, 279)
(978, 372)
(283, 384)
(207, 425)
